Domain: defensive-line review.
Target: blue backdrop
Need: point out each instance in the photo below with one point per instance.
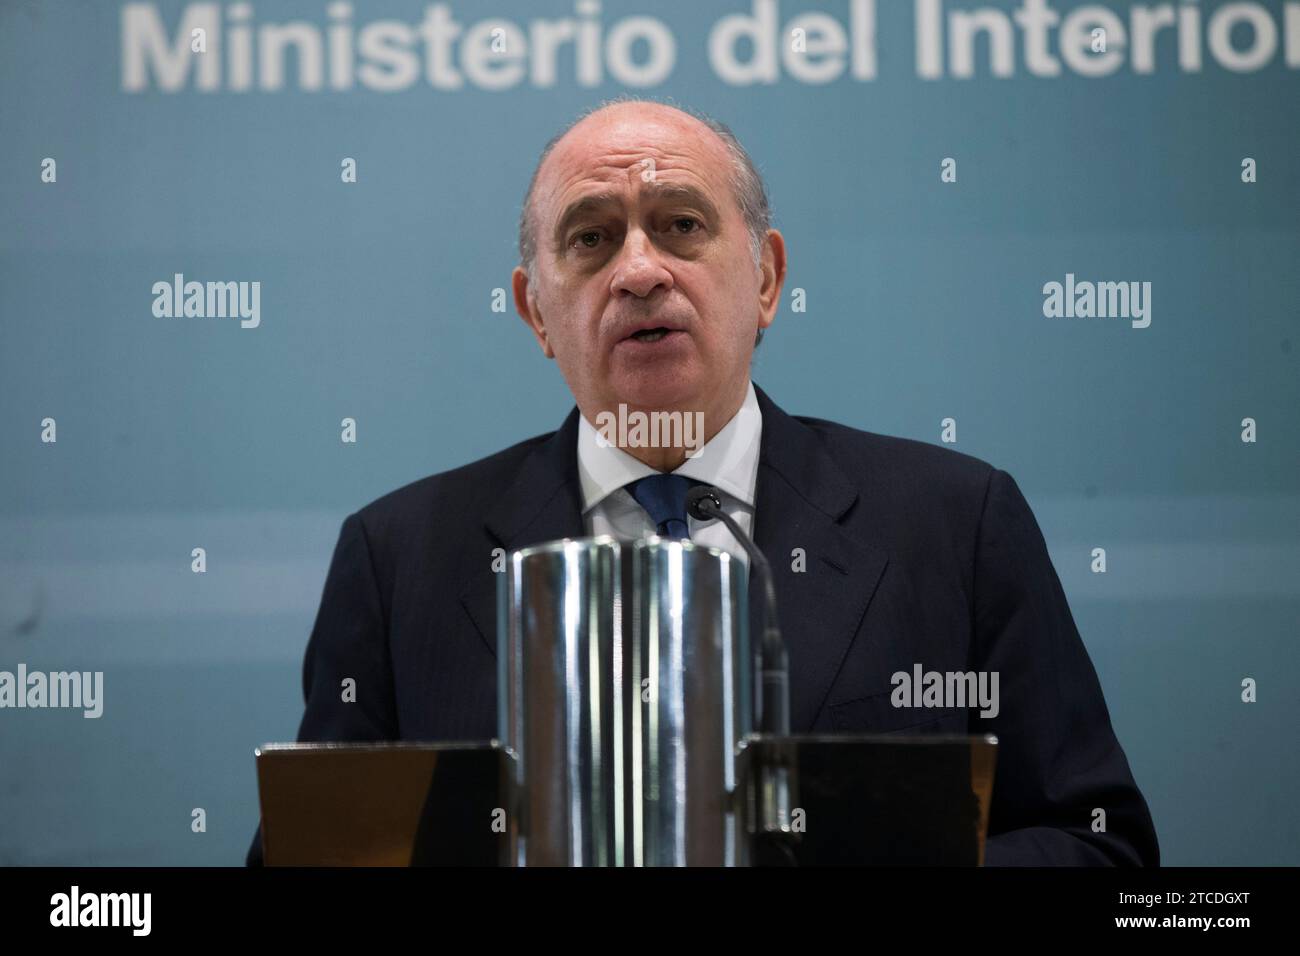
(924, 301)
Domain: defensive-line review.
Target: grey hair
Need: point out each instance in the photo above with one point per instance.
(750, 191)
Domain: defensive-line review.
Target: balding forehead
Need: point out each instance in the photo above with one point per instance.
(720, 160)
(633, 115)
(660, 113)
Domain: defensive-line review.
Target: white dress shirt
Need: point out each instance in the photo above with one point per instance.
(728, 462)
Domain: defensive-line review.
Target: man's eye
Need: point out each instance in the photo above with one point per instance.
(582, 238)
(689, 221)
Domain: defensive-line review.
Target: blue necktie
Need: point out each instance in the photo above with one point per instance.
(664, 499)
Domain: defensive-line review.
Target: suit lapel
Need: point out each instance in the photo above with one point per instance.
(542, 504)
(801, 498)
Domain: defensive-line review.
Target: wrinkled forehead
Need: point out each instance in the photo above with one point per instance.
(634, 150)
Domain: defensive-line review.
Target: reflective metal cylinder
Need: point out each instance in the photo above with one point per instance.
(689, 675)
(624, 688)
(559, 682)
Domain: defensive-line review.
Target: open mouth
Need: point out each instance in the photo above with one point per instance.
(651, 335)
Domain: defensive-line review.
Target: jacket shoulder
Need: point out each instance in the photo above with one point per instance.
(913, 497)
(458, 493)
(892, 458)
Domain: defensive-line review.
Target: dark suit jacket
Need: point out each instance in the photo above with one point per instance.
(914, 554)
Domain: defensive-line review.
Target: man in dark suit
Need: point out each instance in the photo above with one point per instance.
(649, 270)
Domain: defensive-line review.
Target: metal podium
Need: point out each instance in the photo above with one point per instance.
(626, 737)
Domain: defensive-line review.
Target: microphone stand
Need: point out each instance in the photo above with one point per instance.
(772, 689)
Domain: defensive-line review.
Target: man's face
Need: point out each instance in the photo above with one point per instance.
(645, 289)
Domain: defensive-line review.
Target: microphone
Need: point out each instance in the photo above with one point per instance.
(772, 691)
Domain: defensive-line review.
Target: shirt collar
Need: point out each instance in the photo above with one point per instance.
(728, 461)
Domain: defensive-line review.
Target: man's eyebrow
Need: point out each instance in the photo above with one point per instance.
(659, 192)
(678, 192)
(582, 207)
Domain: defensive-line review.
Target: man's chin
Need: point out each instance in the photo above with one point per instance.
(659, 392)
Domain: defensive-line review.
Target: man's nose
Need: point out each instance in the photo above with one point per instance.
(640, 267)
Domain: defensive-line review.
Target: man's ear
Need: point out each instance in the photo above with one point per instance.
(772, 268)
(526, 306)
